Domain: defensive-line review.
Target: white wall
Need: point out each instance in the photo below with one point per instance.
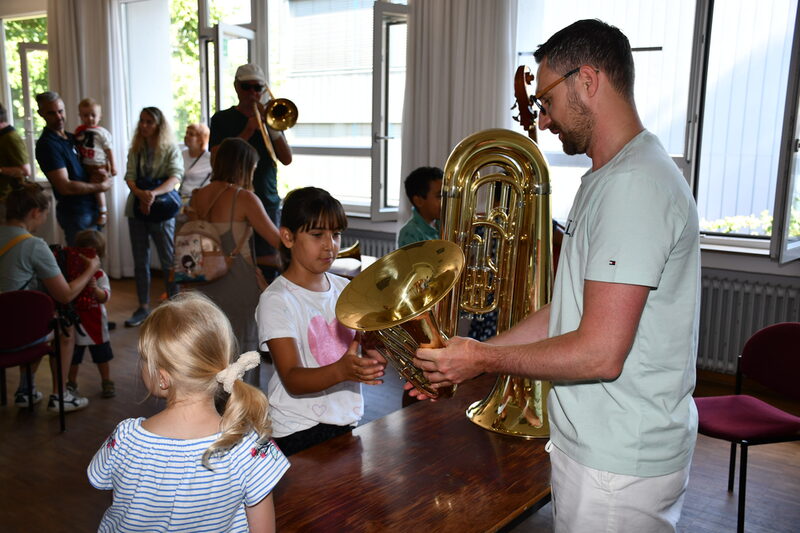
(20, 8)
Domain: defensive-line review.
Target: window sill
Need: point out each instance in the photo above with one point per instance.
(735, 245)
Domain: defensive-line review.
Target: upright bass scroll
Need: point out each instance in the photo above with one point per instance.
(523, 81)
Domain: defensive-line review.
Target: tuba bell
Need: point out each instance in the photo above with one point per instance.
(496, 207)
(392, 301)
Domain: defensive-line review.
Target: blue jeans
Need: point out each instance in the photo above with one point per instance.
(72, 223)
(163, 235)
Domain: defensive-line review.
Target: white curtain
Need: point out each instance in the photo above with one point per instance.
(85, 60)
(461, 60)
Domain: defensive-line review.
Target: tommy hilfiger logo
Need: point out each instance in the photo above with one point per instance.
(570, 229)
(612, 263)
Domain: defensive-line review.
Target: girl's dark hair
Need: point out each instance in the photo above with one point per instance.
(24, 198)
(234, 161)
(307, 208)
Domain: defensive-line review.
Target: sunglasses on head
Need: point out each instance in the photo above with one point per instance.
(245, 86)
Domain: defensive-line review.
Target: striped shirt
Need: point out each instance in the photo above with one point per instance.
(160, 483)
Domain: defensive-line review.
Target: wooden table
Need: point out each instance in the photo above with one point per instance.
(422, 468)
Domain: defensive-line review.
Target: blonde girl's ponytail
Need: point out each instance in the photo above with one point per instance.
(247, 408)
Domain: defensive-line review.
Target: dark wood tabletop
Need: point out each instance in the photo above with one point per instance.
(422, 468)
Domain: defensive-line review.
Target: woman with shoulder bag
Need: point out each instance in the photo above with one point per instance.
(154, 171)
(229, 203)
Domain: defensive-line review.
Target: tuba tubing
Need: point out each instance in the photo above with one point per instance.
(496, 208)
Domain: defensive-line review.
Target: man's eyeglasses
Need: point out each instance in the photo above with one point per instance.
(536, 98)
(251, 86)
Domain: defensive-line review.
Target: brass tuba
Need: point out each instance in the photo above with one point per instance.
(496, 208)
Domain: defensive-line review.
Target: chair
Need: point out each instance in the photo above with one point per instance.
(771, 357)
(28, 319)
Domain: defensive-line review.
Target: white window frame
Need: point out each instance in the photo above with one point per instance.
(777, 246)
(386, 13)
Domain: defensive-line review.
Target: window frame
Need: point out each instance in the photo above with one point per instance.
(776, 245)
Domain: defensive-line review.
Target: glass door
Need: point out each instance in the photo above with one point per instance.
(33, 67)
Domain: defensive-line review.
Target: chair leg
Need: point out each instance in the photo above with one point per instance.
(732, 468)
(742, 485)
(29, 381)
(59, 373)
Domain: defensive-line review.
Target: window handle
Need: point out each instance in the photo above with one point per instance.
(376, 137)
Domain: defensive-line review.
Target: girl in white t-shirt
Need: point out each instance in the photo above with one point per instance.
(315, 393)
(187, 468)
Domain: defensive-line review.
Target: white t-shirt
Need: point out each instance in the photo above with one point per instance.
(92, 145)
(288, 310)
(196, 172)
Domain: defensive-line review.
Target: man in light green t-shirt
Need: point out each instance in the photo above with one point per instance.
(619, 338)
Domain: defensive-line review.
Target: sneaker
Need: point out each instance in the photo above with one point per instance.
(112, 325)
(137, 318)
(72, 402)
(21, 398)
(108, 389)
(72, 387)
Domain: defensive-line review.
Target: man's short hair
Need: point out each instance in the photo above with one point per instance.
(418, 182)
(47, 96)
(3, 113)
(594, 43)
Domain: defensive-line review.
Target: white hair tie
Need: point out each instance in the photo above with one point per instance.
(236, 370)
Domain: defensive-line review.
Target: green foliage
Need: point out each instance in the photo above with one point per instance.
(751, 224)
(185, 64)
(31, 30)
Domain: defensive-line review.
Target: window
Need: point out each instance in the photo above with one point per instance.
(742, 115)
(26, 71)
(321, 57)
(711, 83)
(661, 37)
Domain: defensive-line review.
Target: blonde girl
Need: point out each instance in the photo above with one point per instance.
(189, 467)
(315, 393)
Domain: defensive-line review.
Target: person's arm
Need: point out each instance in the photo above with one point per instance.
(63, 291)
(301, 380)
(19, 171)
(59, 179)
(282, 149)
(258, 218)
(261, 516)
(595, 351)
(112, 166)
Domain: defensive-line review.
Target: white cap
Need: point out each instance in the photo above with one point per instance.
(250, 72)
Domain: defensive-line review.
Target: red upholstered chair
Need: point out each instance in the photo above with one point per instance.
(27, 320)
(770, 357)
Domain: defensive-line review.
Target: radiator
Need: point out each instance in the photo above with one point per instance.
(733, 306)
(376, 244)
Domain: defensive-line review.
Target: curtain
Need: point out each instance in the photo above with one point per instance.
(85, 60)
(461, 58)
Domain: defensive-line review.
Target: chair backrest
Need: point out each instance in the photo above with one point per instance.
(27, 317)
(772, 358)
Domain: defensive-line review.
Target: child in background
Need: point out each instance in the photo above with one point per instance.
(315, 393)
(94, 145)
(187, 467)
(424, 191)
(93, 330)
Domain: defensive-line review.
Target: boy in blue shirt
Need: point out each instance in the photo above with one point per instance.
(424, 190)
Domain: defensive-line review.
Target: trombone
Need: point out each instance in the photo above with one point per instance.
(279, 114)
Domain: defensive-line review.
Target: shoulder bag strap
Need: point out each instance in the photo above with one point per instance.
(13, 242)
